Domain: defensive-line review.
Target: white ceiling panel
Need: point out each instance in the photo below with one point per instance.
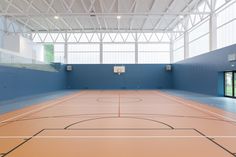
(96, 14)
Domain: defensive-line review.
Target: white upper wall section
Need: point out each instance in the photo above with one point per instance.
(22, 46)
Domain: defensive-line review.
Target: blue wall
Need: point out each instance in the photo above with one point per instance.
(101, 76)
(16, 82)
(204, 73)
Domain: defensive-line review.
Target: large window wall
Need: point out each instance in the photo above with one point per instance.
(153, 53)
(59, 53)
(83, 53)
(114, 53)
(118, 48)
(206, 32)
(178, 49)
(226, 25)
(196, 39)
(198, 42)
(108, 48)
(199, 39)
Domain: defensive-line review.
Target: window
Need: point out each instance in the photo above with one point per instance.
(118, 53)
(153, 53)
(226, 24)
(153, 37)
(179, 54)
(109, 47)
(234, 82)
(154, 58)
(199, 36)
(83, 53)
(118, 37)
(178, 49)
(199, 31)
(59, 53)
(199, 46)
(230, 84)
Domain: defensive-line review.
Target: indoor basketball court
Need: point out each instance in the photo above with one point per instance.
(118, 123)
(117, 78)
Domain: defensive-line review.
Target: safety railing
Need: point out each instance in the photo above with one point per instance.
(14, 59)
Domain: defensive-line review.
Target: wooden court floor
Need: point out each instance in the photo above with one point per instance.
(118, 124)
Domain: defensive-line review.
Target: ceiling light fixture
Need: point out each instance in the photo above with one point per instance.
(181, 16)
(92, 13)
(56, 17)
(118, 17)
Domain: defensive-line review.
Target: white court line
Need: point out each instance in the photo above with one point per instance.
(193, 106)
(41, 108)
(102, 137)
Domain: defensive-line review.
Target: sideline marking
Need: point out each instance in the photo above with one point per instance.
(41, 108)
(101, 137)
(177, 99)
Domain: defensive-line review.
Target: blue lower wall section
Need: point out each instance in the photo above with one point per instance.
(204, 73)
(137, 76)
(18, 82)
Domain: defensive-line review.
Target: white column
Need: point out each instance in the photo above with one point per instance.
(3, 31)
(213, 32)
(101, 49)
(186, 44)
(136, 48)
(171, 49)
(66, 50)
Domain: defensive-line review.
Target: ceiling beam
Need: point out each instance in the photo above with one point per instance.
(132, 14)
(9, 3)
(149, 10)
(38, 11)
(1, 9)
(132, 9)
(93, 7)
(27, 10)
(103, 10)
(162, 17)
(50, 5)
(191, 5)
(68, 8)
(88, 13)
(140, 14)
(22, 12)
(118, 20)
(112, 6)
(21, 23)
(108, 31)
(55, 13)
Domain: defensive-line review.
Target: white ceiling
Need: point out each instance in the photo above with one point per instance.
(144, 15)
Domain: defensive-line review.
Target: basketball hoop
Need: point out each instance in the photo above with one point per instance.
(119, 69)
